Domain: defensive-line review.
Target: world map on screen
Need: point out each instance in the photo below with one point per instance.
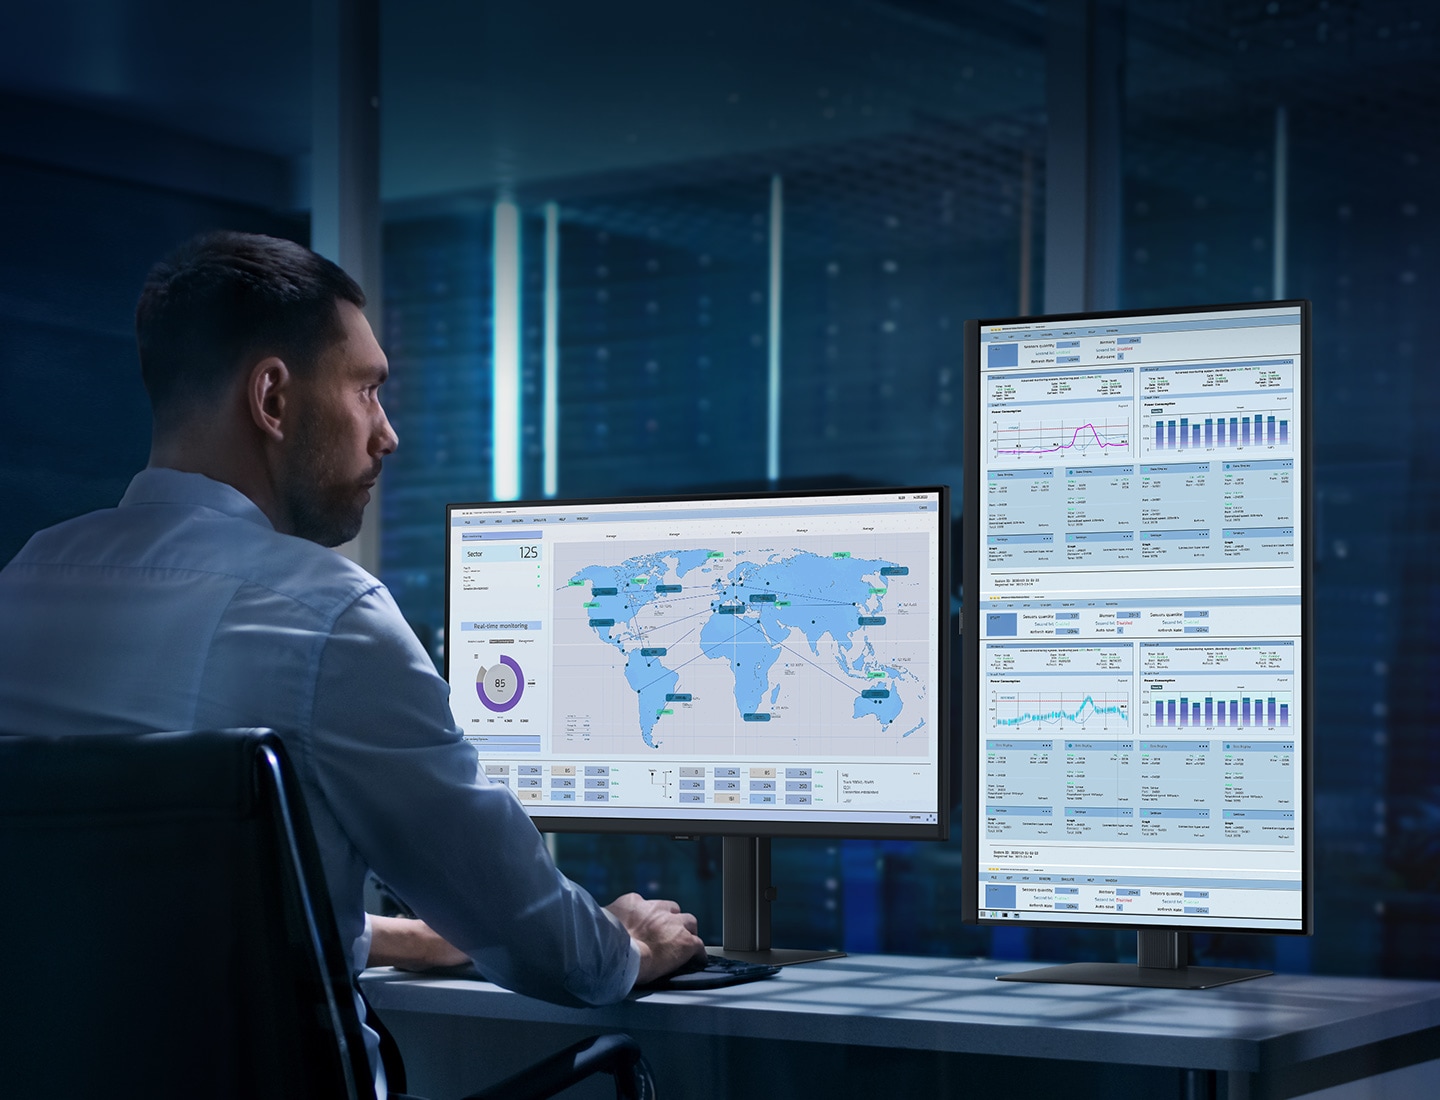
(790, 625)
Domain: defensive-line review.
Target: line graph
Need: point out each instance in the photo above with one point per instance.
(1083, 431)
(1013, 711)
(1042, 439)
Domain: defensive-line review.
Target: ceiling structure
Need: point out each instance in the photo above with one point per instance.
(568, 99)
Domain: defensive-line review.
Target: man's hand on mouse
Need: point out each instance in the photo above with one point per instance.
(666, 937)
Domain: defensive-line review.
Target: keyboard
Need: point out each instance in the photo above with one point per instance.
(712, 972)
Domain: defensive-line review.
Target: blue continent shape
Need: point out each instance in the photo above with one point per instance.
(740, 640)
(823, 595)
(652, 681)
(886, 710)
(635, 581)
(764, 602)
(630, 594)
(805, 591)
(686, 560)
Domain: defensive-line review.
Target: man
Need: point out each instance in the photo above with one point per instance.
(208, 599)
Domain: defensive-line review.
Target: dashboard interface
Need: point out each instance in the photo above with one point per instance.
(1139, 645)
(765, 664)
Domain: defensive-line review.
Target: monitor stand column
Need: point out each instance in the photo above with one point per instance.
(1162, 950)
(746, 896)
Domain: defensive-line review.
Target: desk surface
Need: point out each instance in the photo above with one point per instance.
(1256, 1027)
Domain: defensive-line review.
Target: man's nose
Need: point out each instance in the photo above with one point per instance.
(385, 440)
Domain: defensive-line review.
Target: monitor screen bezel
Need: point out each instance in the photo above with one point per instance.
(973, 530)
(741, 826)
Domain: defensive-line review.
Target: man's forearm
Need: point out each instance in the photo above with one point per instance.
(410, 945)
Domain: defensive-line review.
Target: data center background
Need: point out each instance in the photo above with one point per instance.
(910, 136)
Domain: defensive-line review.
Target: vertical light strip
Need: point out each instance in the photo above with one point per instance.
(505, 369)
(1027, 192)
(1282, 188)
(551, 420)
(772, 420)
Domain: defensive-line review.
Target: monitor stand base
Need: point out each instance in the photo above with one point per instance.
(1161, 959)
(776, 956)
(1147, 977)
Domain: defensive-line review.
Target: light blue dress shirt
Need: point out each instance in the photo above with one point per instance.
(183, 608)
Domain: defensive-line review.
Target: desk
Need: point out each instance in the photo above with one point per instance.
(895, 1026)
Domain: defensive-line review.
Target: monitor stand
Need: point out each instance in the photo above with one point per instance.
(1159, 964)
(746, 896)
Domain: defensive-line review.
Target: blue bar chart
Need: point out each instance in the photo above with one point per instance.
(1169, 430)
(1208, 709)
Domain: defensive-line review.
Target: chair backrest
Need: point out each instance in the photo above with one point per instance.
(165, 925)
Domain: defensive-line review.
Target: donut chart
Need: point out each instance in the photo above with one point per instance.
(501, 685)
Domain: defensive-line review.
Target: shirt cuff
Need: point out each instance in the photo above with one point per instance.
(632, 968)
(632, 963)
(360, 951)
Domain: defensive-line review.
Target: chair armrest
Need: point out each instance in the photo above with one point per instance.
(618, 1055)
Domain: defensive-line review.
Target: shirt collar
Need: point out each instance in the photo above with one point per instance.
(159, 485)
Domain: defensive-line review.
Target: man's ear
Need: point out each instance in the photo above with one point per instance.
(267, 391)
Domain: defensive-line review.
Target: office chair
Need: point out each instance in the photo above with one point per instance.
(166, 931)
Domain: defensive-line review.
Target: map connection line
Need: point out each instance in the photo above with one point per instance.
(646, 631)
(647, 635)
(643, 631)
(644, 608)
(673, 622)
(796, 653)
(676, 668)
(813, 600)
(721, 645)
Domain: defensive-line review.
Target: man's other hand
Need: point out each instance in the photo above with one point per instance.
(410, 945)
(665, 936)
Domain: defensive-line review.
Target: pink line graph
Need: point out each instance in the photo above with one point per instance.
(1067, 446)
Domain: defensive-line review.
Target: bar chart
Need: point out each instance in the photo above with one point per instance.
(1170, 432)
(1218, 709)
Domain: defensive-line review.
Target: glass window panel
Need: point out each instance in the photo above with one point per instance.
(1338, 102)
(663, 298)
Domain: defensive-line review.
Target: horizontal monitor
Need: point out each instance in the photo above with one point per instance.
(728, 665)
(1136, 719)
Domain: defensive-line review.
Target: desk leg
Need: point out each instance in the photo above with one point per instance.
(1209, 1084)
(1198, 1084)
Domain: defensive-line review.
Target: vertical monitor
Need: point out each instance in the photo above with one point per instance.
(765, 665)
(1136, 733)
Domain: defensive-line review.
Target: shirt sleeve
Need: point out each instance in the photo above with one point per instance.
(403, 785)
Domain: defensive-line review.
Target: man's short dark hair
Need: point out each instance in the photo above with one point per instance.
(224, 300)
